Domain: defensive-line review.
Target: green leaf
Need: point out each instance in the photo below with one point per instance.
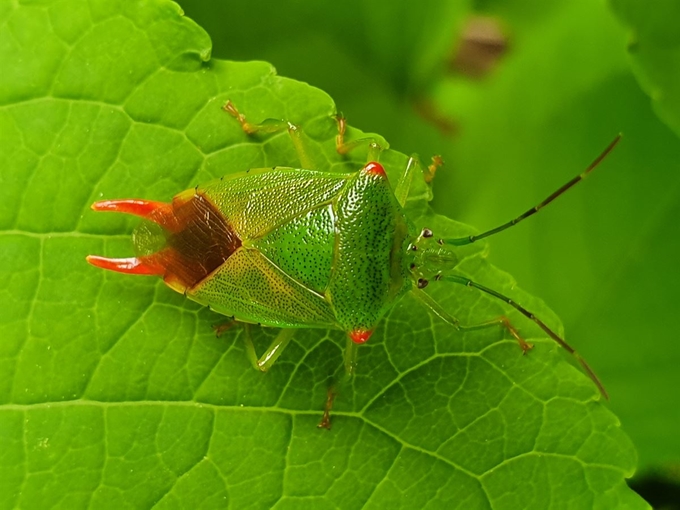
(115, 391)
(558, 95)
(654, 45)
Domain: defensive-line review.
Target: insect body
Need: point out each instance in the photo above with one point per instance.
(281, 247)
(300, 248)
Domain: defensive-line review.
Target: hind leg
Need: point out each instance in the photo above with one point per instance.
(272, 126)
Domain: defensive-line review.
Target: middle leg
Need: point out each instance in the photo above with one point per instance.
(264, 362)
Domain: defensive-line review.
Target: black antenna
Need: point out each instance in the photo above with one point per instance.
(461, 241)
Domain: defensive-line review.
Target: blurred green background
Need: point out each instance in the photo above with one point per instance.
(517, 103)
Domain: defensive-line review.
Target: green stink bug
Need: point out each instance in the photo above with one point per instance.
(301, 248)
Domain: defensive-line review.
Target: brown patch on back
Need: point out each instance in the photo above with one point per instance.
(199, 240)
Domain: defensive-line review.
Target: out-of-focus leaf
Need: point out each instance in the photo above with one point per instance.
(654, 46)
(599, 254)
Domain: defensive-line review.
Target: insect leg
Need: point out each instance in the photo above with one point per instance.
(325, 422)
(225, 326)
(343, 147)
(451, 320)
(350, 362)
(436, 308)
(264, 362)
(413, 166)
(350, 357)
(271, 126)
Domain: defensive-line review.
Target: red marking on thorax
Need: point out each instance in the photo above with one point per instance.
(374, 168)
(360, 336)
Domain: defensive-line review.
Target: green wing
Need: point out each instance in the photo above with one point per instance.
(260, 200)
(303, 248)
(251, 288)
(284, 219)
